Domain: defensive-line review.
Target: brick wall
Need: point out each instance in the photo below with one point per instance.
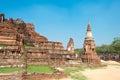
(43, 76)
(34, 76)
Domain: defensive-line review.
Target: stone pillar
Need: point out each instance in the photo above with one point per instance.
(1, 17)
(54, 58)
(24, 67)
(24, 57)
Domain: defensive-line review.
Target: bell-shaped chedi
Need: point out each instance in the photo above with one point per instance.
(90, 56)
(70, 46)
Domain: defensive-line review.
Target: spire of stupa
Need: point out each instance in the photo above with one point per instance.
(89, 32)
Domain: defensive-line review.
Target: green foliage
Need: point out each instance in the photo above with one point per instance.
(30, 69)
(114, 47)
(81, 50)
(27, 47)
(78, 51)
(9, 69)
(35, 68)
(116, 44)
(104, 49)
(2, 45)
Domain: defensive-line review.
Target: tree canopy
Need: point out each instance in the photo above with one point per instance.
(116, 44)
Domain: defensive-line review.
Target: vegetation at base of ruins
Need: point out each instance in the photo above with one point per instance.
(28, 47)
(113, 48)
(2, 45)
(72, 72)
(30, 69)
(36, 68)
(9, 69)
(2, 60)
(78, 51)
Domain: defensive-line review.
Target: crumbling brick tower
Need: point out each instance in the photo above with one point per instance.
(70, 46)
(90, 56)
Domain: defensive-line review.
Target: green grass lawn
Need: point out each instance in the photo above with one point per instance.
(42, 69)
(30, 69)
(9, 69)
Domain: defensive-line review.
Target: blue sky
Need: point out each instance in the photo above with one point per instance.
(58, 20)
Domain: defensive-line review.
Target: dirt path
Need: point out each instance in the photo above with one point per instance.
(111, 72)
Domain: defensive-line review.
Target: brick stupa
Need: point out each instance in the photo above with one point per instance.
(90, 56)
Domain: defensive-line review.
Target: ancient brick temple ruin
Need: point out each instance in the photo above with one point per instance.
(16, 35)
(40, 51)
(90, 56)
(21, 45)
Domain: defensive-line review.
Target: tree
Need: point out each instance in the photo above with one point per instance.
(116, 44)
(78, 51)
(104, 49)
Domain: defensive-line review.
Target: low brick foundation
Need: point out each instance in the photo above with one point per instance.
(9, 77)
(43, 76)
(34, 76)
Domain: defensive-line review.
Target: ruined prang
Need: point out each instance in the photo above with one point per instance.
(90, 56)
(70, 46)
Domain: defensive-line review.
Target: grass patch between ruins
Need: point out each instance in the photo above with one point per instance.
(9, 69)
(75, 72)
(72, 72)
(30, 69)
(28, 47)
(40, 69)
